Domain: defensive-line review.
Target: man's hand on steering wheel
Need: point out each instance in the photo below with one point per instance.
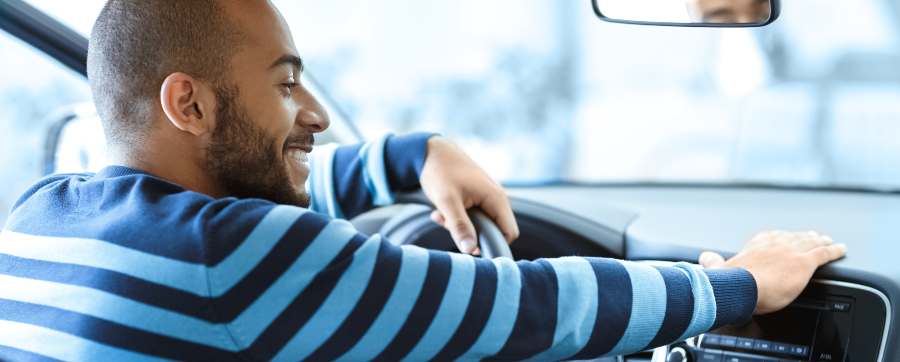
(454, 183)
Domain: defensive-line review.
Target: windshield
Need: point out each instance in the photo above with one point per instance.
(542, 91)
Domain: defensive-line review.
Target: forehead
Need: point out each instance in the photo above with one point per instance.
(266, 34)
(728, 3)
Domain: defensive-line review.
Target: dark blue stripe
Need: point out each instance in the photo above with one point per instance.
(302, 308)
(298, 237)
(228, 306)
(536, 321)
(384, 277)
(12, 354)
(228, 223)
(135, 211)
(679, 306)
(106, 332)
(108, 281)
(406, 157)
(613, 307)
(477, 313)
(736, 295)
(352, 192)
(426, 307)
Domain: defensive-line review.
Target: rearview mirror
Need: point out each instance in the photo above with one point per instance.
(708, 13)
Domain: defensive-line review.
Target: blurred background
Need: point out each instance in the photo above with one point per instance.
(541, 91)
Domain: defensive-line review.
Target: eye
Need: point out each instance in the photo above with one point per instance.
(288, 87)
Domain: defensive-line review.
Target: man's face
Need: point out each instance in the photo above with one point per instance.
(265, 120)
(732, 11)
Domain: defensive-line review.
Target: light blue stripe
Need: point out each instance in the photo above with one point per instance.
(648, 308)
(176, 274)
(323, 249)
(452, 309)
(503, 314)
(62, 346)
(114, 308)
(173, 273)
(412, 274)
(255, 247)
(704, 300)
(377, 172)
(322, 174)
(576, 308)
(313, 182)
(363, 155)
(337, 306)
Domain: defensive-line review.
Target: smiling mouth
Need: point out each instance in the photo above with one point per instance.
(299, 154)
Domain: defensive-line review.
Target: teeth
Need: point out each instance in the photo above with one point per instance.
(298, 155)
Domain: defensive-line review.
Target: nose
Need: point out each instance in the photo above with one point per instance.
(312, 116)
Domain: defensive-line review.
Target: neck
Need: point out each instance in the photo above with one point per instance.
(167, 163)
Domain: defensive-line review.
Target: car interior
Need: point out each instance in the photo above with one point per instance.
(843, 181)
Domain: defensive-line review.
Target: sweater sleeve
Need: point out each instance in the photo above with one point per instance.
(348, 180)
(322, 291)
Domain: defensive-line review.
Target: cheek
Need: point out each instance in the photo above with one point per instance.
(274, 116)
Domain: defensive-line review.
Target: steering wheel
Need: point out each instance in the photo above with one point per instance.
(406, 227)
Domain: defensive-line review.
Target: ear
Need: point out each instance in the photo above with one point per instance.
(187, 103)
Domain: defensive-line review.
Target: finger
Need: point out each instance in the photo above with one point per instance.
(812, 240)
(711, 260)
(457, 222)
(498, 209)
(825, 254)
(437, 217)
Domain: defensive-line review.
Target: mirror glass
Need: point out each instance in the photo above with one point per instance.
(684, 12)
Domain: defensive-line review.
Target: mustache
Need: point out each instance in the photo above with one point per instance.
(307, 140)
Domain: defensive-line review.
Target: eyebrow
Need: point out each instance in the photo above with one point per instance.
(289, 59)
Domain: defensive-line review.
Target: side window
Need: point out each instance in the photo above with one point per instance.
(36, 94)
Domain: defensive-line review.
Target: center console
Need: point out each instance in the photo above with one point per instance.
(830, 322)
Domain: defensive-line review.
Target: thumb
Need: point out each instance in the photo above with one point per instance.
(711, 260)
(457, 222)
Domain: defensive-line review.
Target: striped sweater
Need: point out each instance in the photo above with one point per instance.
(125, 266)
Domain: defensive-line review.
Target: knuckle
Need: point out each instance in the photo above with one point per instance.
(446, 197)
(461, 225)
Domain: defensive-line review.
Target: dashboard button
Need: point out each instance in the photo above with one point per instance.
(840, 307)
(799, 351)
(763, 346)
(781, 348)
(745, 343)
(731, 357)
(728, 342)
(709, 356)
(711, 340)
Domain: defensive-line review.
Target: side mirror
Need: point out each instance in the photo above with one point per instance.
(691, 13)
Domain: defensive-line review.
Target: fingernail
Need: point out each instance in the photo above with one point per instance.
(466, 246)
(843, 247)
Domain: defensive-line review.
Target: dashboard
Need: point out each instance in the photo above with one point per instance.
(848, 313)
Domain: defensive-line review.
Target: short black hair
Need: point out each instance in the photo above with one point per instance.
(136, 44)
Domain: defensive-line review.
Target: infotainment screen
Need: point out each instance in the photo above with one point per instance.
(793, 325)
(807, 330)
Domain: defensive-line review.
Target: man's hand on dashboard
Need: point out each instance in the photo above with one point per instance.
(782, 264)
(455, 183)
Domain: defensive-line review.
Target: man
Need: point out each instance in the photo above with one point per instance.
(199, 244)
(730, 11)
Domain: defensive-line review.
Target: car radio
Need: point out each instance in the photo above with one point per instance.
(830, 322)
(808, 330)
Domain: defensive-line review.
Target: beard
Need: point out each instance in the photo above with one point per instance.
(242, 158)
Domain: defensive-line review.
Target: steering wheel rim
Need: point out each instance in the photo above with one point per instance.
(491, 241)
